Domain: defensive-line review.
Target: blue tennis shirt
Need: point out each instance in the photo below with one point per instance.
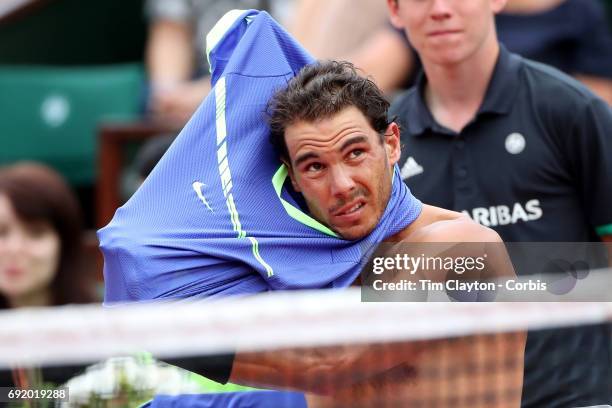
(216, 216)
(245, 399)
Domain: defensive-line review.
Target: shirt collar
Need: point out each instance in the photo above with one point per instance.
(503, 87)
(419, 116)
(499, 97)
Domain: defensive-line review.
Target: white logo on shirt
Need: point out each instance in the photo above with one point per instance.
(504, 215)
(515, 143)
(197, 187)
(410, 168)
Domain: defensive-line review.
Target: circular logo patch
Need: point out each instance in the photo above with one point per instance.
(55, 110)
(515, 143)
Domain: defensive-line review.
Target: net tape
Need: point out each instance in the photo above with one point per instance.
(80, 334)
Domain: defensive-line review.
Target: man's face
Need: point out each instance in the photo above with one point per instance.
(446, 31)
(343, 170)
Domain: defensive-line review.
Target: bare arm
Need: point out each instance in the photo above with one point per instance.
(375, 55)
(320, 370)
(493, 364)
(373, 46)
(334, 378)
(170, 60)
(349, 23)
(169, 53)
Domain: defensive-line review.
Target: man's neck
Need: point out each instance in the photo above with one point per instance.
(454, 93)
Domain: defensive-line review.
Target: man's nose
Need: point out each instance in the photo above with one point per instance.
(440, 10)
(341, 183)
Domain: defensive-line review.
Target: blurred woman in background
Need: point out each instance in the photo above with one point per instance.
(40, 240)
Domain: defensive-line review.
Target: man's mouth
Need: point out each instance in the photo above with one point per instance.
(347, 210)
(439, 33)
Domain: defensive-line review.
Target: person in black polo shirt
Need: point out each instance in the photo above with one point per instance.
(520, 147)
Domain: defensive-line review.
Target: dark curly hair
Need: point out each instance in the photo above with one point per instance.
(320, 91)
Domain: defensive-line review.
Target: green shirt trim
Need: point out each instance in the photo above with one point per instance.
(278, 180)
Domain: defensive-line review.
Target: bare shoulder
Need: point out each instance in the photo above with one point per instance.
(439, 225)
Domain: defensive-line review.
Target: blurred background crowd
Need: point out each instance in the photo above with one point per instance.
(92, 94)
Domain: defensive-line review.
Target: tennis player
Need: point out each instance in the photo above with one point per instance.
(330, 128)
(222, 215)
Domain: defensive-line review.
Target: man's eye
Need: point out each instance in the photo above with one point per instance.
(314, 167)
(355, 153)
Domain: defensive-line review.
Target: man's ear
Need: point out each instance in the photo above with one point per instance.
(295, 185)
(498, 5)
(392, 143)
(393, 7)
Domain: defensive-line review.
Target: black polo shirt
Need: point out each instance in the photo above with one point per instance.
(535, 164)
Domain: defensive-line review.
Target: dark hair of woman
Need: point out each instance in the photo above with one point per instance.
(39, 194)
